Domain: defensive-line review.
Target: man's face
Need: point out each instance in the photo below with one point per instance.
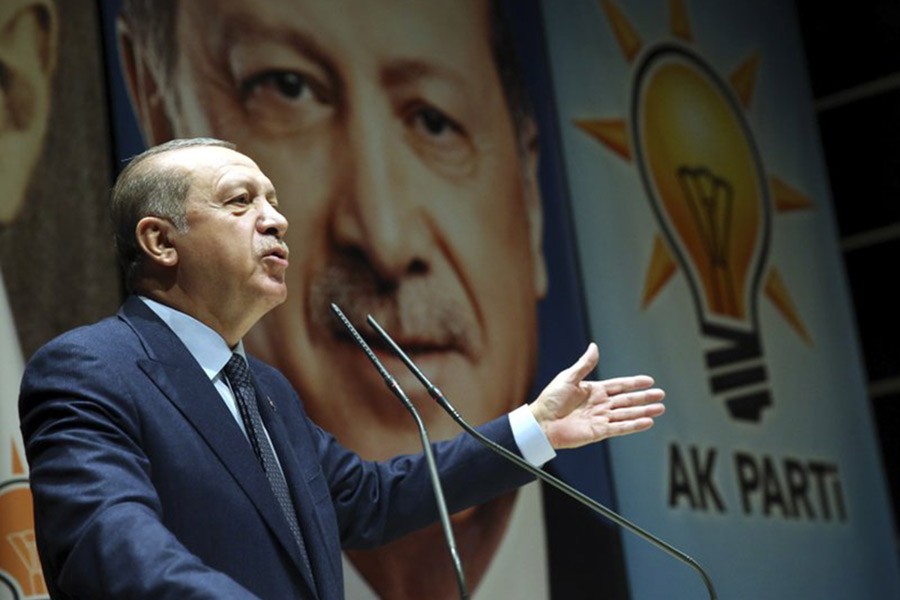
(384, 126)
(231, 261)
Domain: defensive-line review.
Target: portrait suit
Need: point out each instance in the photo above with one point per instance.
(145, 485)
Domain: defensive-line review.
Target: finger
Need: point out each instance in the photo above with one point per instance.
(637, 398)
(621, 385)
(634, 413)
(583, 366)
(628, 427)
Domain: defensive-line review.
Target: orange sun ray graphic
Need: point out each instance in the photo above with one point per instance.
(20, 566)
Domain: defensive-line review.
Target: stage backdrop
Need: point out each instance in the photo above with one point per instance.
(709, 254)
(687, 228)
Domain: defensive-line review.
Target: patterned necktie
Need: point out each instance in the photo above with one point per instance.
(238, 374)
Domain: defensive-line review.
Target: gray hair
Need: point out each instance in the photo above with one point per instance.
(147, 188)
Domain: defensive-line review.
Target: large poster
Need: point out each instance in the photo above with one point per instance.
(709, 253)
(405, 150)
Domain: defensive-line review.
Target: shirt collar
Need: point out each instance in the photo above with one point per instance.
(206, 346)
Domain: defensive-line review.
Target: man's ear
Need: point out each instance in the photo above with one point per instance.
(534, 206)
(143, 82)
(28, 42)
(155, 238)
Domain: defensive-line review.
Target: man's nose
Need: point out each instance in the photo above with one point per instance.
(377, 211)
(271, 221)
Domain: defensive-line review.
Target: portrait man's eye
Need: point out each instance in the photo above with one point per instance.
(437, 135)
(435, 122)
(287, 84)
(286, 99)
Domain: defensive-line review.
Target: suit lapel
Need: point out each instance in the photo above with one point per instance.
(179, 377)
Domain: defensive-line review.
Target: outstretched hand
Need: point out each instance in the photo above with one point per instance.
(573, 412)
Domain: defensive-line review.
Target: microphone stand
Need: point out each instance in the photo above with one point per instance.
(426, 447)
(435, 393)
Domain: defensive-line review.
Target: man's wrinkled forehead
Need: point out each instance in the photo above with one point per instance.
(330, 30)
(217, 167)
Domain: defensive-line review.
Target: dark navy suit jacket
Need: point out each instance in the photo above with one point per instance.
(144, 486)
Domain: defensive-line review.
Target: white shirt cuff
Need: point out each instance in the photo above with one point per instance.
(530, 438)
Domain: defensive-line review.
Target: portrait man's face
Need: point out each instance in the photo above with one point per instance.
(411, 195)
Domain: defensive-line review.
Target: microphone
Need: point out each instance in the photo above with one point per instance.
(426, 448)
(568, 490)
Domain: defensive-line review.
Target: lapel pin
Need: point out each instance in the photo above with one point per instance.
(272, 404)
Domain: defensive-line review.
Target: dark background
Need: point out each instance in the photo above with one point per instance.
(853, 55)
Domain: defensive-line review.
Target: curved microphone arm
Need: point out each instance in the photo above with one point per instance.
(435, 393)
(426, 447)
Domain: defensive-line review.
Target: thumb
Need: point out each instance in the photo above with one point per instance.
(583, 366)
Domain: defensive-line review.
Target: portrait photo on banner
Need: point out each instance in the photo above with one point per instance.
(412, 148)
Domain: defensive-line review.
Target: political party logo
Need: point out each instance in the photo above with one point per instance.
(703, 174)
(20, 567)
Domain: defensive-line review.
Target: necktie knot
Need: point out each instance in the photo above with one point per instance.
(237, 372)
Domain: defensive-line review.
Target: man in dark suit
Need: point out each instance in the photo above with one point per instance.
(161, 468)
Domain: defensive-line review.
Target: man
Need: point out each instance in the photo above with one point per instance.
(402, 142)
(148, 466)
(28, 38)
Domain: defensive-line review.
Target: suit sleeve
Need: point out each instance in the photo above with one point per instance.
(98, 517)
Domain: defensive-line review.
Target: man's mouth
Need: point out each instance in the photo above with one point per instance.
(280, 252)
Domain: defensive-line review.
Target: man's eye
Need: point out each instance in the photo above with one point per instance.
(286, 84)
(285, 101)
(434, 122)
(439, 139)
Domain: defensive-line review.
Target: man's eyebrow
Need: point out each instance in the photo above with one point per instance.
(246, 27)
(401, 72)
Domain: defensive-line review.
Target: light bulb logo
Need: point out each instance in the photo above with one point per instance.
(705, 180)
